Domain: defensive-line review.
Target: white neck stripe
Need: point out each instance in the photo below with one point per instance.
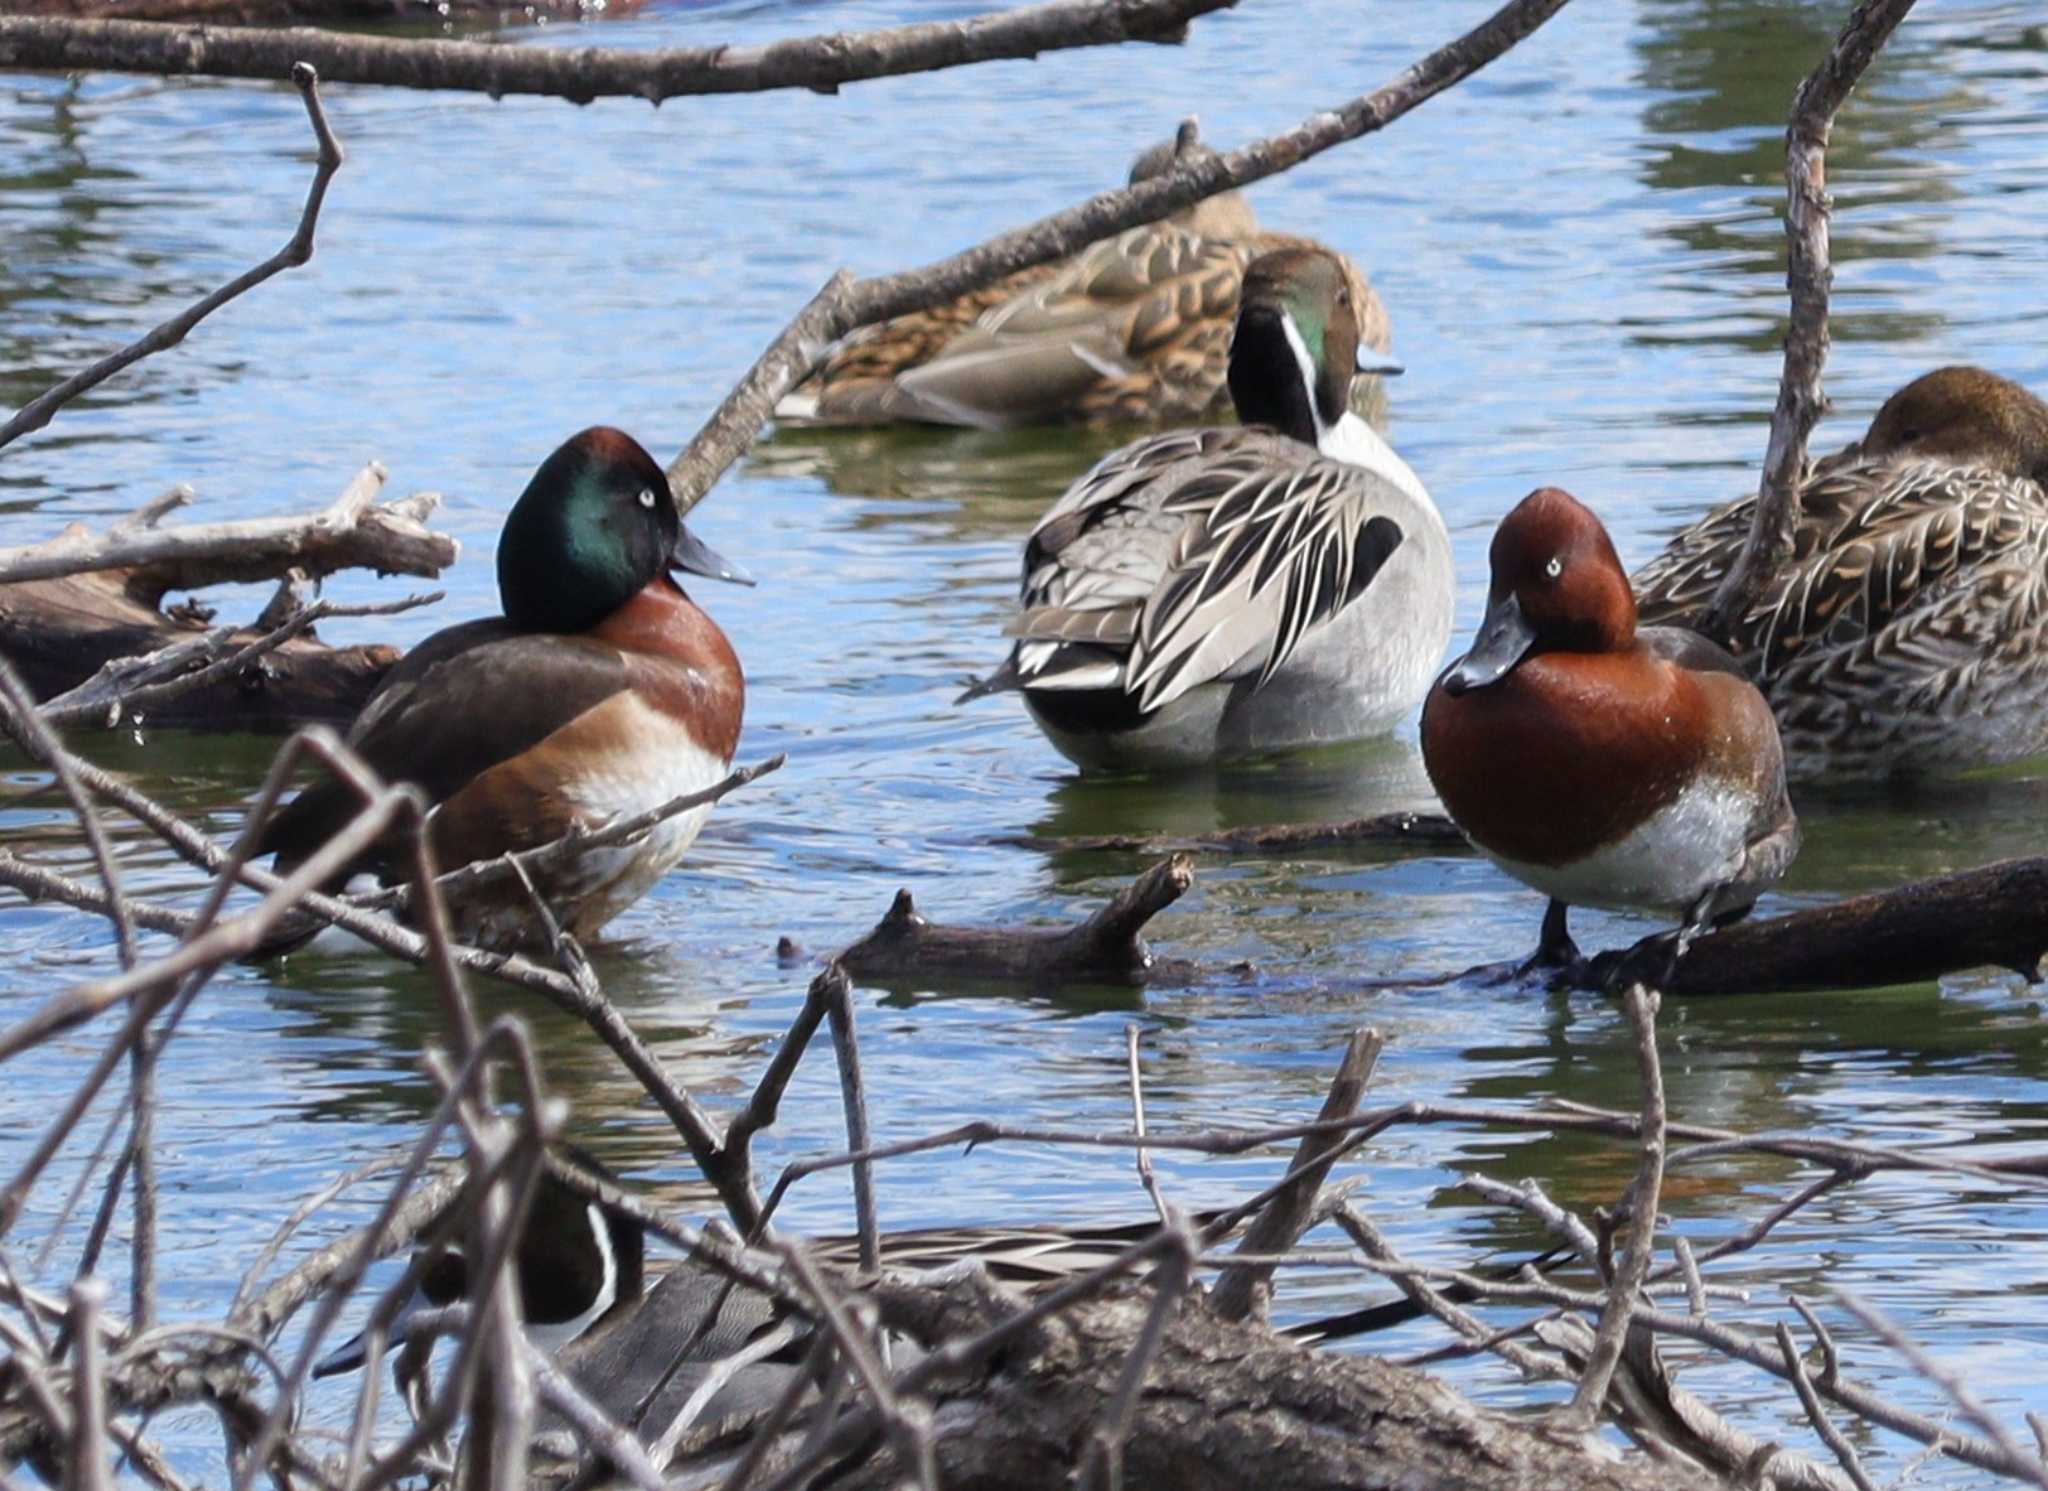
(1308, 374)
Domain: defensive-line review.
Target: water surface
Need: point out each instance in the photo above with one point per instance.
(1582, 254)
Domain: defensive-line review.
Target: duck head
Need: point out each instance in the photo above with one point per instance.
(593, 528)
(1966, 415)
(1297, 346)
(1226, 215)
(1558, 586)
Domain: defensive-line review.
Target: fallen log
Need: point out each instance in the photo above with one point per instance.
(1270, 838)
(1106, 948)
(1225, 1405)
(1996, 915)
(74, 608)
(60, 633)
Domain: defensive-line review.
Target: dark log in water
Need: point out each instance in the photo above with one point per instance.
(1432, 829)
(1996, 916)
(1106, 948)
(59, 633)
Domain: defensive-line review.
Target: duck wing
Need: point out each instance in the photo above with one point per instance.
(461, 702)
(1878, 542)
(856, 383)
(1194, 556)
(1098, 338)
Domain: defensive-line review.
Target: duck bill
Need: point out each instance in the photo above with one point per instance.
(692, 554)
(1385, 364)
(1504, 639)
(345, 1358)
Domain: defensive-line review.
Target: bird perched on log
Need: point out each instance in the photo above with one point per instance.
(602, 691)
(1135, 327)
(1602, 763)
(1212, 593)
(1908, 635)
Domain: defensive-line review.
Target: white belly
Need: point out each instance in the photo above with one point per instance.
(1698, 842)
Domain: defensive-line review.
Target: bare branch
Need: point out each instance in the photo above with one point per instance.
(1245, 1291)
(40, 410)
(104, 698)
(353, 532)
(820, 63)
(846, 303)
(1808, 274)
(1644, 1193)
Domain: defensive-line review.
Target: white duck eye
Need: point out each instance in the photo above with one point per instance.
(1554, 568)
(647, 498)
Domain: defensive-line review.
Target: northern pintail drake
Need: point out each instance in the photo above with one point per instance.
(1909, 633)
(1212, 593)
(602, 691)
(577, 1262)
(1136, 327)
(1602, 763)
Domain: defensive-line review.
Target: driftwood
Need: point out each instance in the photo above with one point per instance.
(1808, 275)
(1226, 1404)
(1106, 948)
(358, 12)
(820, 63)
(1432, 829)
(72, 608)
(1996, 915)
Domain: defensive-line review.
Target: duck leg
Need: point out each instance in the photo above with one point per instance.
(1557, 957)
(1654, 961)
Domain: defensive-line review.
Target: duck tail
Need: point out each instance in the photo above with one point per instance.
(1001, 681)
(294, 834)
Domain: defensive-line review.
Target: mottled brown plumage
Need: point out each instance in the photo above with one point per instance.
(1909, 633)
(1134, 328)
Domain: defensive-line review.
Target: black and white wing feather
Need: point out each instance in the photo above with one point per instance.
(1195, 556)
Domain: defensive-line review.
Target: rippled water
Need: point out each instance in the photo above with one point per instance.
(1581, 251)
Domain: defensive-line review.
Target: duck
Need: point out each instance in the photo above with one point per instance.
(601, 691)
(577, 1262)
(640, 1341)
(1601, 762)
(1226, 591)
(1134, 328)
(1908, 635)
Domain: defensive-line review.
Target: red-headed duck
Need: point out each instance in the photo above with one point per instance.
(1602, 764)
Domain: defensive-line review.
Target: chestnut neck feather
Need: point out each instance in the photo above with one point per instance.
(681, 662)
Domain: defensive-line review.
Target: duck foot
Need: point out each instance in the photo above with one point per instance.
(1557, 961)
(1654, 961)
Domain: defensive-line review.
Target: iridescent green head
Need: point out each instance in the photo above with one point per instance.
(1297, 344)
(595, 525)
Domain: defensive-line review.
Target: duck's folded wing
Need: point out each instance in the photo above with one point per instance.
(1269, 552)
(461, 703)
(1876, 540)
(1194, 556)
(1121, 305)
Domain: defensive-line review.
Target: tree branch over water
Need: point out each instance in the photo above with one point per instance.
(847, 303)
(820, 63)
(39, 411)
(1808, 275)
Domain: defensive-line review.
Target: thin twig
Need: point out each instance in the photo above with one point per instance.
(1833, 1438)
(1950, 1382)
(40, 410)
(1644, 1194)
